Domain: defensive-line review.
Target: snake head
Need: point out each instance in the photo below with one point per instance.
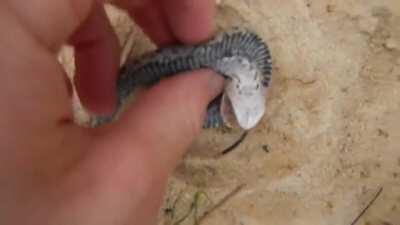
(243, 101)
(243, 108)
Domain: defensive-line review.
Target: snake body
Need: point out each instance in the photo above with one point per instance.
(222, 54)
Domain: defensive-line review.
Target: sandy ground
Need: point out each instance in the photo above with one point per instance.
(329, 140)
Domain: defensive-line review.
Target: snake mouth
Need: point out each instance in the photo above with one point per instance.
(227, 113)
(241, 117)
(241, 108)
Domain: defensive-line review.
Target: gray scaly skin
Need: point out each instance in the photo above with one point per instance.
(151, 68)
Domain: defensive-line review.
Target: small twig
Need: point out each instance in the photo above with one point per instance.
(235, 144)
(378, 193)
(220, 203)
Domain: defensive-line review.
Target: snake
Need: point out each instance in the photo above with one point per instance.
(238, 54)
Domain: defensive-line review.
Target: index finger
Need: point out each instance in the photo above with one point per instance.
(191, 21)
(149, 15)
(166, 21)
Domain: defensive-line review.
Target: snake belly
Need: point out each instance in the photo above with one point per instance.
(222, 53)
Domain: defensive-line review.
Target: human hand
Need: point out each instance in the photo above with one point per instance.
(54, 172)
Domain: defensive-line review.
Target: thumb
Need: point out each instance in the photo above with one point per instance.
(162, 123)
(134, 156)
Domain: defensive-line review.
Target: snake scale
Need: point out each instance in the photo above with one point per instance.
(239, 55)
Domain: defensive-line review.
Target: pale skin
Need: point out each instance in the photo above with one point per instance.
(55, 172)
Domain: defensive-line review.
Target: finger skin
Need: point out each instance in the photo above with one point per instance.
(67, 176)
(133, 158)
(189, 92)
(135, 155)
(150, 16)
(51, 22)
(166, 118)
(96, 45)
(97, 61)
(191, 21)
(168, 21)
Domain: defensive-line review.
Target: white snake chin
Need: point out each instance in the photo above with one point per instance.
(243, 101)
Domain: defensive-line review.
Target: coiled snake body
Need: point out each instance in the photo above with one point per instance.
(239, 55)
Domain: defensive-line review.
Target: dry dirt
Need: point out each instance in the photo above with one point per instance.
(328, 141)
